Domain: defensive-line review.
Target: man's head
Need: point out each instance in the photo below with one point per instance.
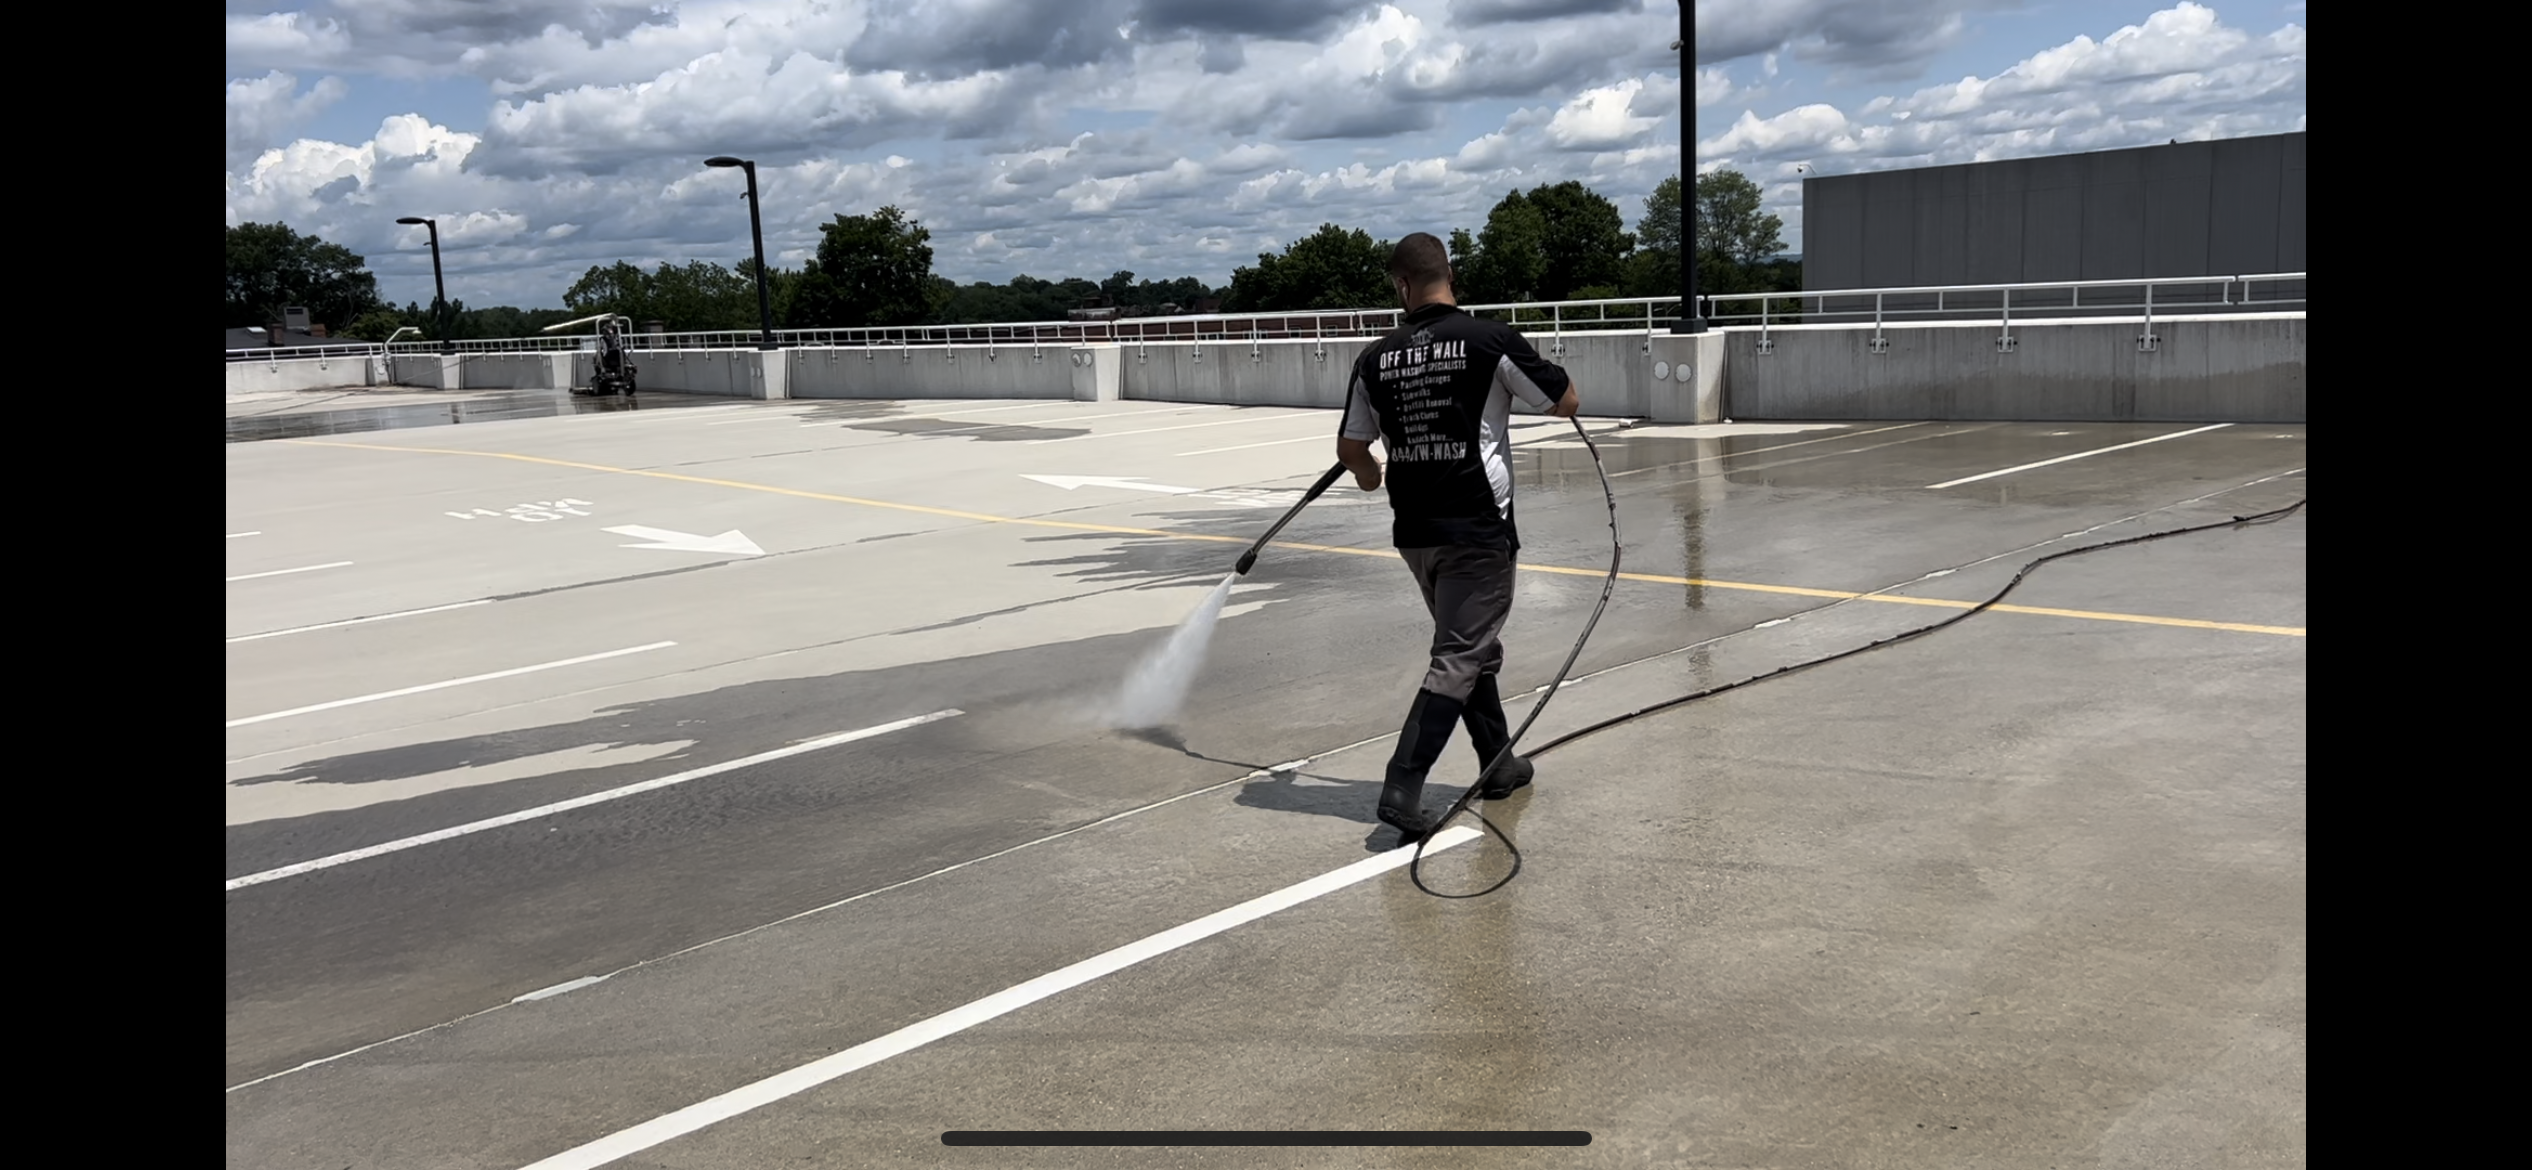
(1420, 265)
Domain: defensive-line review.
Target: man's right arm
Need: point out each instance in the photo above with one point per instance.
(1354, 437)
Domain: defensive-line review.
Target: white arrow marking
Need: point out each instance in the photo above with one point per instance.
(1070, 482)
(728, 542)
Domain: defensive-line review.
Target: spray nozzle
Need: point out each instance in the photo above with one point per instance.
(1248, 560)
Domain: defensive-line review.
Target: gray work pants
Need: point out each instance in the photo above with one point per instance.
(1469, 593)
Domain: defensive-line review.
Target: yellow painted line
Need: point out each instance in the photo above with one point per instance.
(1938, 602)
(1651, 578)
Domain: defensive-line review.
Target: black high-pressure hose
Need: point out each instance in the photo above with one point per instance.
(1415, 865)
(1250, 559)
(1476, 790)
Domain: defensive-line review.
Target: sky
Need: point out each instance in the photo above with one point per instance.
(1163, 137)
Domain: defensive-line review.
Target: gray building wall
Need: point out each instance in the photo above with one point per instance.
(2222, 208)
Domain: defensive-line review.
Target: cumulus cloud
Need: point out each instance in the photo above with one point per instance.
(590, 151)
(414, 38)
(288, 40)
(950, 37)
(264, 110)
(2179, 74)
(1391, 71)
(1886, 38)
(1164, 136)
(1601, 118)
(1248, 157)
(741, 102)
(1476, 13)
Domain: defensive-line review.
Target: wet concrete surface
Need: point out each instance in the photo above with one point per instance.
(2038, 877)
(306, 414)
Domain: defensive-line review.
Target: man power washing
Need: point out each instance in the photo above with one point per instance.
(1438, 391)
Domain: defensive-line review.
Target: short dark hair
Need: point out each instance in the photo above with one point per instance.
(1420, 260)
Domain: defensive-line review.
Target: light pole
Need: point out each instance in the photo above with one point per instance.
(1688, 321)
(756, 231)
(439, 287)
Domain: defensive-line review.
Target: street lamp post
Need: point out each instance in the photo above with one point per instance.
(439, 287)
(756, 231)
(1688, 320)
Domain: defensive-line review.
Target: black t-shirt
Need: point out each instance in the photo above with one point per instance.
(1438, 393)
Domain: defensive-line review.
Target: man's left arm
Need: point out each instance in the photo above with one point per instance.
(1534, 379)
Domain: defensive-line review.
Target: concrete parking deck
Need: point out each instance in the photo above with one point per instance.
(821, 691)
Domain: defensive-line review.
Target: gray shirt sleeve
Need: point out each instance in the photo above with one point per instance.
(1361, 425)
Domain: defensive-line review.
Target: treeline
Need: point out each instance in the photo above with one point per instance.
(1555, 242)
(869, 270)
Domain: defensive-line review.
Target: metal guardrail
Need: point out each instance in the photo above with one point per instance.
(282, 353)
(565, 344)
(1610, 315)
(1552, 318)
(1959, 302)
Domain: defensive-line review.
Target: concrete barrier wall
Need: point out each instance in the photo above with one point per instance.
(1279, 373)
(424, 371)
(517, 371)
(735, 373)
(2212, 369)
(284, 374)
(1619, 375)
(965, 371)
(2230, 369)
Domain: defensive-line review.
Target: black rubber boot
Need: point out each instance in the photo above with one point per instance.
(1420, 742)
(1490, 732)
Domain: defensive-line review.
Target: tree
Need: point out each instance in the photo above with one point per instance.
(700, 296)
(271, 267)
(870, 270)
(1077, 293)
(1118, 288)
(1545, 245)
(1660, 229)
(1509, 259)
(1583, 242)
(1652, 270)
(616, 288)
(779, 286)
(695, 297)
(1330, 268)
(1729, 222)
(376, 325)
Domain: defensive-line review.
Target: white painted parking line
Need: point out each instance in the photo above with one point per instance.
(785, 416)
(1228, 422)
(454, 682)
(583, 801)
(287, 572)
(2077, 455)
(1777, 447)
(357, 621)
(627, 1142)
(1328, 439)
(235, 535)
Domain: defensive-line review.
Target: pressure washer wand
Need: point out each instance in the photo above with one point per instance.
(1249, 559)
